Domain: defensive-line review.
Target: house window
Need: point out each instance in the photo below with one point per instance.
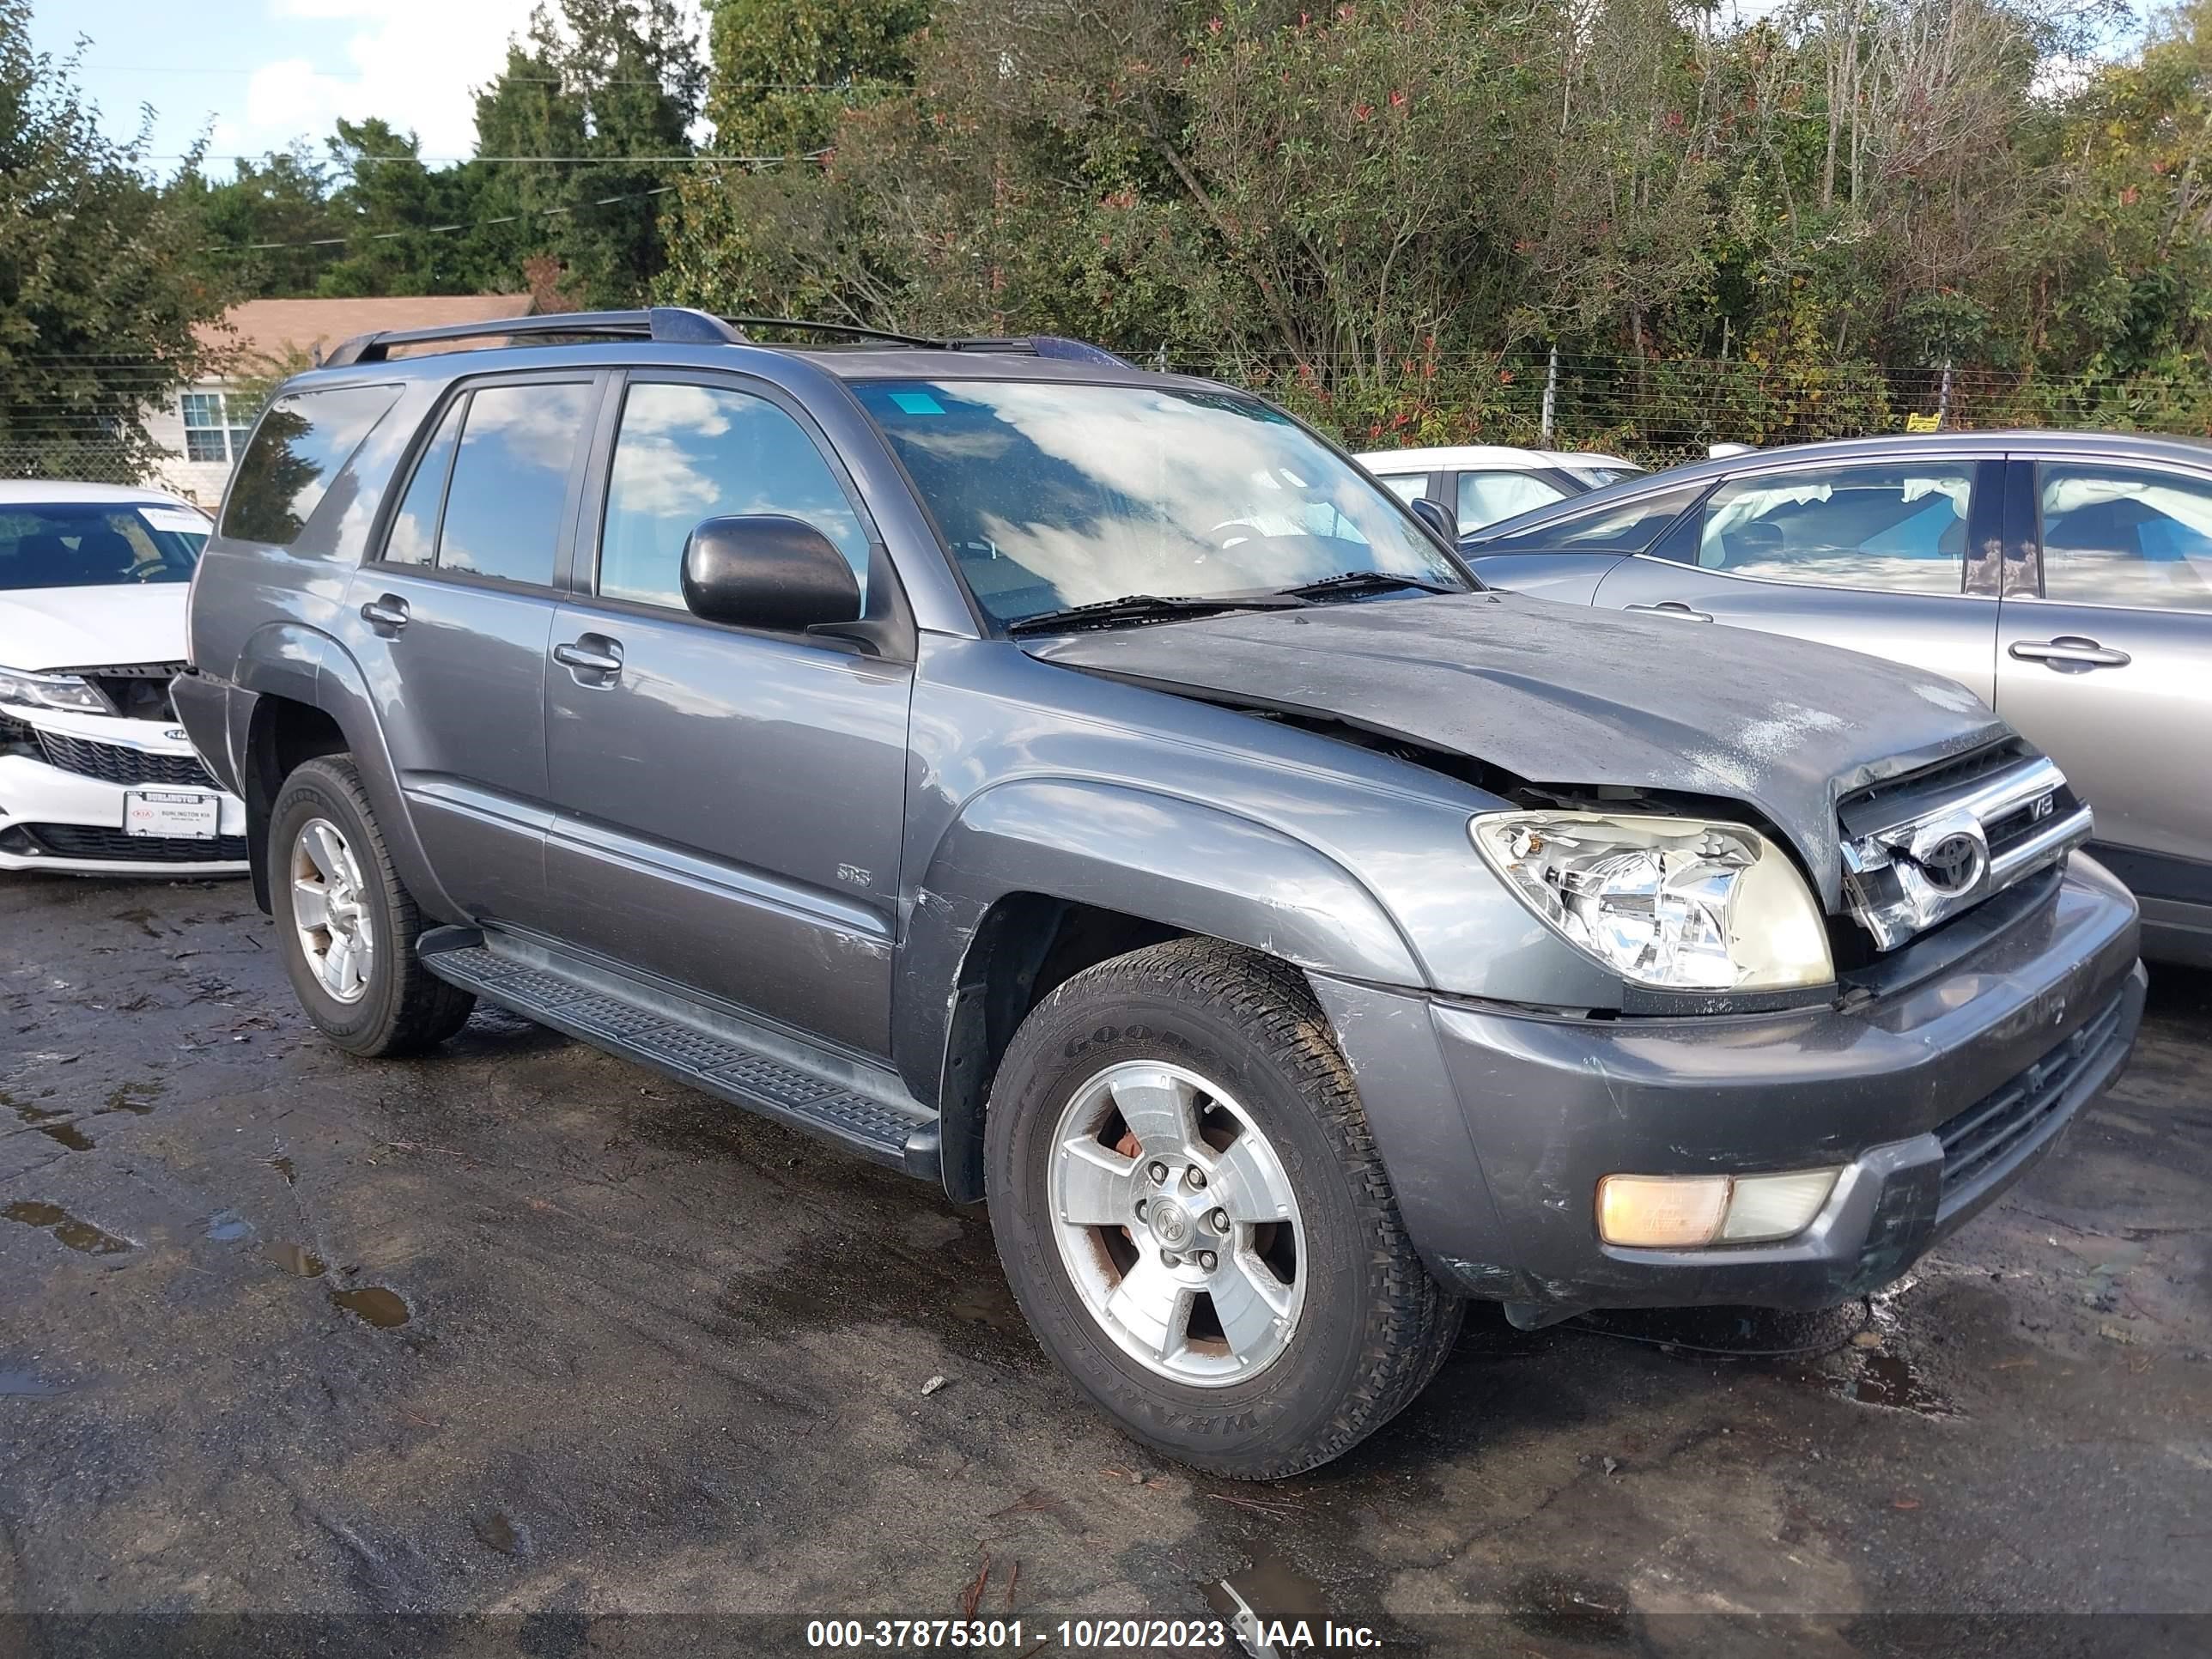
(217, 425)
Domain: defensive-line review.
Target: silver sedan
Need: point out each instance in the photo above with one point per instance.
(2063, 578)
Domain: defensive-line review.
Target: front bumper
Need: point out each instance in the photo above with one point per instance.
(62, 790)
(1935, 1093)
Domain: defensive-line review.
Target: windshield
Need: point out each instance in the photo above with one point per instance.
(98, 544)
(1053, 495)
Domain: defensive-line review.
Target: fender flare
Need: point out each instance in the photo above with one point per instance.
(1183, 864)
(301, 664)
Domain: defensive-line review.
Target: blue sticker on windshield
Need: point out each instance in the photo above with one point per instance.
(917, 403)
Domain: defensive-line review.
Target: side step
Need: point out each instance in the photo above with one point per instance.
(689, 1043)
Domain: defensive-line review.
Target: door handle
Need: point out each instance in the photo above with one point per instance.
(593, 655)
(2069, 651)
(387, 614)
(1672, 608)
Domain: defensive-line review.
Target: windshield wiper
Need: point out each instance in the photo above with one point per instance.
(1146, 607)
(1362, 581)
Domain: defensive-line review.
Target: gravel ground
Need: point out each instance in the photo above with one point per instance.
(521, 1331)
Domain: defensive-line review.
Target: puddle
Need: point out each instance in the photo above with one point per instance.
(136, 1098)
(496, 1532)
(1878, 1376)
(987, 1303)
(225, 1226)
(55, 1123)
(303, 1263)
(1266, 1602)
(380, 1307)
(1568, 1607)
(26, 1385)
(79, 1236)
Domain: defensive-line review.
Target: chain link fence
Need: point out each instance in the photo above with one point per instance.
(1656, 410)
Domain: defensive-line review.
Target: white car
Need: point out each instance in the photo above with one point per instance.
(1482, 484)
(96, 776)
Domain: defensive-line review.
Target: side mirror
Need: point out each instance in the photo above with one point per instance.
(765, 570)
(1438, 520)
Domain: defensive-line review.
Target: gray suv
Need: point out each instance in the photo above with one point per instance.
(1087, 790)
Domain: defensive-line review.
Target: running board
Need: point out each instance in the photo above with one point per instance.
(693, 1043)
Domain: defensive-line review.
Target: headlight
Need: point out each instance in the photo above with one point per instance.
(51, 691)
(1669, 902)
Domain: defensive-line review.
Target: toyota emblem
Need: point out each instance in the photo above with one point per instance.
(1954, 863)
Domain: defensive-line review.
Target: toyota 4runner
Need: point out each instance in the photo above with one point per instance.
(1087, 790)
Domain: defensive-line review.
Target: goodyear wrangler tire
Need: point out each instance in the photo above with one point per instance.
(1194, 1218)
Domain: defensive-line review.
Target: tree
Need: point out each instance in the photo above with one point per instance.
(607, 81)
(100, 287)
(283, 199)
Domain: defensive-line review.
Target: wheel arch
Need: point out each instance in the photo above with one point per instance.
(1039, 878)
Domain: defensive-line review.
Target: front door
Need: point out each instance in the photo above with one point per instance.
(2106, 664)
(450, 623)
(1888, 557)
(730, 802)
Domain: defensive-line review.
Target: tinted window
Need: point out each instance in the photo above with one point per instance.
(2114, 535)
(1407, 487)
(1052, 494)
(1486, 497)
(296, 452)
(413, 536)
(511, 481)
(1626, 526)
(1887, 529)
(688, 453)
(106, 544)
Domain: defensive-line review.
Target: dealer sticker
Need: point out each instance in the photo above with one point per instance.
(172, 812)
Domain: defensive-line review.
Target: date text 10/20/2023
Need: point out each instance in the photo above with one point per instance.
(1094, 1635)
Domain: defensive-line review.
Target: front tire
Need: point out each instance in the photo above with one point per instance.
(1194, 1217)
(348, 924)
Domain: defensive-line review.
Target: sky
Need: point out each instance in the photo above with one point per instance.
(255, 75)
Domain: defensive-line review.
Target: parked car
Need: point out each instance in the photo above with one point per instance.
(96, 776)
(1481, 484)
(1088, 791)
(2065, 578)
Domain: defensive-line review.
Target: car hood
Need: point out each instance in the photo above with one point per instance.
(1562, 695)
(43, 628)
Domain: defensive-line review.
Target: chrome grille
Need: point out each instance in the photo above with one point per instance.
(1921, 850)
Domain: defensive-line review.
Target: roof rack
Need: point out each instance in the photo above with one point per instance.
(680, 325)
(671, 324)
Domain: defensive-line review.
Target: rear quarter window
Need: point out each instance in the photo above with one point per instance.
(303, 441)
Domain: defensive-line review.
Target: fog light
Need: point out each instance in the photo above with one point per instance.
(1675, 1213)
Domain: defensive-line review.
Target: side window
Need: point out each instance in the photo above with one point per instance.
(1624, 527)
(296, 452)
(1486, 497)
(1407, 487)
(2119, 536)
(511, 480)
(413, 536)
(1897, 529)
(688, 453)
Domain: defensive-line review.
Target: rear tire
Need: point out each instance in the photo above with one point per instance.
(1265, 1311)
(348, 924)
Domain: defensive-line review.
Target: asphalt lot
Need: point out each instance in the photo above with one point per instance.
(521, 1330)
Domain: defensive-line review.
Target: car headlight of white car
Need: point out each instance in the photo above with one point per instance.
(51, 691)
(1677, 904)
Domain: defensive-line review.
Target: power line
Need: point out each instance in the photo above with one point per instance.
(435, 230)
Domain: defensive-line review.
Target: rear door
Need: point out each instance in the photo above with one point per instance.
(731, 802)
(450, 623)
(2106, 659)
(1898, 559)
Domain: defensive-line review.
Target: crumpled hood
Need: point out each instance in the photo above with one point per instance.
(43, 628)
(1562, 695)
